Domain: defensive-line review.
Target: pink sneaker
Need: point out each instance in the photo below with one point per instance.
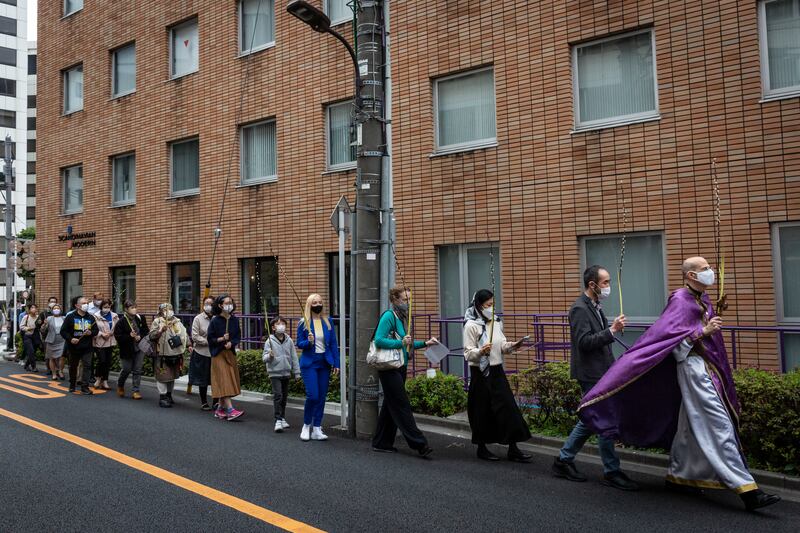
(220, 413)
(233, 414)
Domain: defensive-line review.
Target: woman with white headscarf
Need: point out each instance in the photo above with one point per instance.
(170, 338)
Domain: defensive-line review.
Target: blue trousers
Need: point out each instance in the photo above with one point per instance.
(315, 379)
(580, 434)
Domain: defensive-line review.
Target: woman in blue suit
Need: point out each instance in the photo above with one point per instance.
(320, 354)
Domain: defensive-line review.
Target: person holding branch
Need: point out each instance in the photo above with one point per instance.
(494, 416)
(224, 335)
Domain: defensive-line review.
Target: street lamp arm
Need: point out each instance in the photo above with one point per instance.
(352, 56)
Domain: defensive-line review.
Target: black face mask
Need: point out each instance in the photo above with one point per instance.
(316, 309)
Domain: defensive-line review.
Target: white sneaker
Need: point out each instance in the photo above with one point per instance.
(285, 424)
(278, 427)
(304, 433)
(317, 434)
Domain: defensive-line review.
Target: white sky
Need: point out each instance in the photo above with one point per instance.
(32, 20)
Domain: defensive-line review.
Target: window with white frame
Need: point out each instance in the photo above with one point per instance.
(71, 6)
(463, 270)
(786, 262)
(338, 11)
(124, 180)
(259, 153)
(73, 89)
(123, 70)
(256, 24)
(615, 80)
(185, 157)
(779, 29)
(341, 153)
(465, 110)
(184, 49)
(72, 178)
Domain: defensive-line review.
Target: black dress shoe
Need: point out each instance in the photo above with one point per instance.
(425, 452)
(682, 489)
(71, 388)
(566, 470)
(486, 455)
(384, 450)
(756, 499)
(518, 457)
(164, 401)
(86, 391)
(620, 481)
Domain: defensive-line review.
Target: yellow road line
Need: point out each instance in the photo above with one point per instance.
(237, 504)
(39, 394)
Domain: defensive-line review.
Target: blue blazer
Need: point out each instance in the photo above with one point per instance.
(308, 357)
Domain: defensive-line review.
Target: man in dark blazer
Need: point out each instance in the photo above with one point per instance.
(590, 345)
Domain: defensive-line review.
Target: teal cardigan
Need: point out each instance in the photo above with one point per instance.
(385, 338)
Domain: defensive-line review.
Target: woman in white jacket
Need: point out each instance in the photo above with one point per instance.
(280, 355)
(494, 416)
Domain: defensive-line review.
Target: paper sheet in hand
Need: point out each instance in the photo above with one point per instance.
(436, 352)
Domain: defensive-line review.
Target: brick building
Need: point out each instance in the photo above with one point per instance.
(522, 130)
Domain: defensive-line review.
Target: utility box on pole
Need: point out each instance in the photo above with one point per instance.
(370, 213)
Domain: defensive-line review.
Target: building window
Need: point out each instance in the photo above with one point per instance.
(256, 25)
(31, 126)
(259, 153)
(615, 80)
(30, 213)
(8, 56)
(8, 87)
(123, 70)
(8, 119)
(465, 111)
(779, 29)
(73, 189)
(31, 167)
(333, 282)
(123, 287)
(260, 285)
(786, 250)
(338, 11)
(185, 280)
(71, 287)
(31, 100)
(341, 153)
(11, 3)
(183, 49)
(30, 190)
(124, 180)
(31, 146)
(32, 65)
(463, 269)
(73, 89)
(72, 6)
(644, 287)
(8, 26)
(185, 167)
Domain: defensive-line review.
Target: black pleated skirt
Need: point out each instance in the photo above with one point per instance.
(493, 413)
(199, 370)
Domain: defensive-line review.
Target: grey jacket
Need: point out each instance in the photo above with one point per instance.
(281, 357)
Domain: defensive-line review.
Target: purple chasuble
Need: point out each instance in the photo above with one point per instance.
(637, 401)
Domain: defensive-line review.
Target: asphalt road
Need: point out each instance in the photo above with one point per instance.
(50, 484)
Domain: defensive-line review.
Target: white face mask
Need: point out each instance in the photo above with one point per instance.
(488, 312)
(51, 304)
(98, 303)
(169, 314)
(84, 307)
(208, 309)
(605, 292)
(106, 311)
(706, 277)
(280, 328)
(227, 308)
(56, 312)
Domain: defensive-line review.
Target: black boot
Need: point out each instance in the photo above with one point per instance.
(170, 400)
(567, 470)
(164, 401)
(756, 499)
(485, 454)
(517, 455)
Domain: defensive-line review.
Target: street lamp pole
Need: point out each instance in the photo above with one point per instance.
(370, 213)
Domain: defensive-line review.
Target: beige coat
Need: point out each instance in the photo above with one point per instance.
(174, 327)
(200, 334)
(475, 338)
(100, 341)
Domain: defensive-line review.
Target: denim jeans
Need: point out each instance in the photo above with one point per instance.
(580, 434)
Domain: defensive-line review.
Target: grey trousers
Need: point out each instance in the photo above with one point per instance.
(132, 365)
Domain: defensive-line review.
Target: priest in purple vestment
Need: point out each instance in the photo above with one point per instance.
(674, 389)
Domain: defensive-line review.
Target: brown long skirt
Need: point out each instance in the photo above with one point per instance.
(225, 375)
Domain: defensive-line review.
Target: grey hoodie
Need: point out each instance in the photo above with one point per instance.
(283, 362)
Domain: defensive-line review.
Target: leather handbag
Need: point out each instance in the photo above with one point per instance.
(383, 358)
